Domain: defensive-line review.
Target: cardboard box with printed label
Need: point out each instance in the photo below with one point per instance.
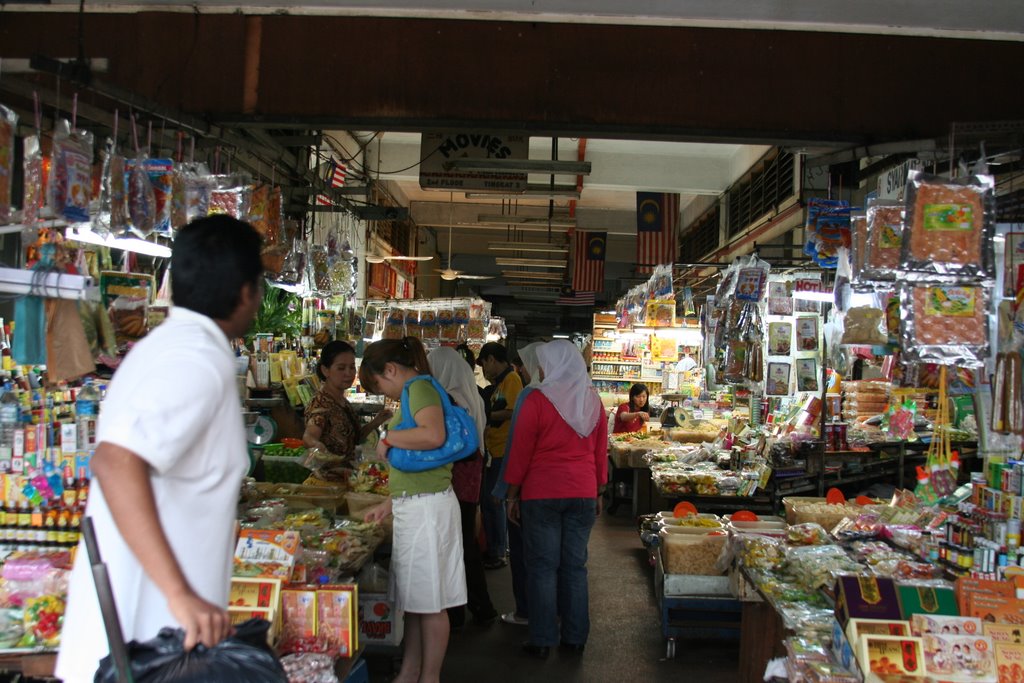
(380, 623)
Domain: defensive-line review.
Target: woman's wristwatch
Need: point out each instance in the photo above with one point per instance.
(384, 438)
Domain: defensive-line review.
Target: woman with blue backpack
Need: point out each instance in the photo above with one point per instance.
(422, 441)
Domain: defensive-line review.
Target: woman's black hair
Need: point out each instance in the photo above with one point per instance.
(635, 391)
(408, 352)
(212, 258)
(331, 351)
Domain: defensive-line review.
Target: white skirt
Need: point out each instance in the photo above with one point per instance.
(426, 557)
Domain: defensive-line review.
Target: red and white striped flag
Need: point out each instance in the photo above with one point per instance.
(588, 261)
(338, 174)
(567, 297)
(323, 200)
(657, 224)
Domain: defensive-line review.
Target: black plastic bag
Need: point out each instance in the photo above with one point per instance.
(243, 658)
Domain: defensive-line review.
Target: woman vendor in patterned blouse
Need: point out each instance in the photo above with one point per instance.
(331, 423)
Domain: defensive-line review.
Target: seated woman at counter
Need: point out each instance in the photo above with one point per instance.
(631, 416)
(331, 423)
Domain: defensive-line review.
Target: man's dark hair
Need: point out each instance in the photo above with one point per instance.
(211, 259)
(467, 353)
(492, 350)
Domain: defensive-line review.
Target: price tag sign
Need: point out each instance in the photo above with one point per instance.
(698, 414)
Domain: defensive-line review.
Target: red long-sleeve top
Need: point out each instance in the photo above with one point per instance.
(550, 460)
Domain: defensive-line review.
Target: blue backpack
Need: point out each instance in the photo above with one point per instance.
(461, 439)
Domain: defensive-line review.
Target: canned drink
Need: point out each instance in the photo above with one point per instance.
(841, 444)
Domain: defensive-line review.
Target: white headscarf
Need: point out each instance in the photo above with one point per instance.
(453, 372)
(528, 354)
(567, 385)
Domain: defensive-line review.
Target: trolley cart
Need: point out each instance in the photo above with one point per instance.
(695, 607)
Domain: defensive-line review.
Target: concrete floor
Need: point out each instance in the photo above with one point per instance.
(625, 639)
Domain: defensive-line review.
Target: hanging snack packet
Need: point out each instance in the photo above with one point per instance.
(865, 325)
(884, 240)
(161, 175)
(231, 195)
(198, 186)
(446, 323)
(258, 217)
(8, 122)
(412, 323)
(179, 200)
(858, 247)
(944, 324)
(752, 280)
(949, 226)
(32, 166)
(273, 218)
(428, 324)
(141, 199)
(71, 186)
(113, 212)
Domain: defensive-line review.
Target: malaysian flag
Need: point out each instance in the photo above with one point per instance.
(657, 222)
(323, 200)
(588, 261)
(567, 297)
(339, 172)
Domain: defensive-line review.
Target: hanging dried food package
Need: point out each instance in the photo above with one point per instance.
(884, 240)
(8, 123)
(32, 166)
(70, 188)
(258, 216)
(1007, 404)
(858, 247)
(113, 210)
(198, 186)
(179, 200)
(230, 195)
(949, 227)
(321, 275)
(946, 324)
(141, 199)
(273, 219)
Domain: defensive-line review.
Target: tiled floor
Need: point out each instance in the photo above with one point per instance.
(625, 641)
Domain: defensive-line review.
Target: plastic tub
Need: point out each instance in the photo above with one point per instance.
(694, 554)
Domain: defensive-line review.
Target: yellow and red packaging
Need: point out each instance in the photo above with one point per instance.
(891, 655)
(337, 623)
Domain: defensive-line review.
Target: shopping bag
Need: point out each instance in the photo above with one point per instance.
(68, 355)
(29, 344)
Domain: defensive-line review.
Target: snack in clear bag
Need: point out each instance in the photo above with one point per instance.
(858, 246)
(231, 196)
(428, 324)
(141, 198)
(949, 225)
(412, 323)
(806, 650)
(808, 533)
(759, 552)
(70, 187)
(309, 668)
(33, 180)
(884, 240)
(865, 325)
(179, 200)
(395, 326)
(446, 324)
(159, 173)
(829, 672)
(946, 324)
(198, 185)
(8, 124)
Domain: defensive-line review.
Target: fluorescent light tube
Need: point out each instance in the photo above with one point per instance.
(826, 297)
(133, 244)
(537, 262)
(521, 166)
(528, 246)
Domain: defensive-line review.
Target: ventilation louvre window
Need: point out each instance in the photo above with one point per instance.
(701, 238)
(768, 184)
(1010, 207)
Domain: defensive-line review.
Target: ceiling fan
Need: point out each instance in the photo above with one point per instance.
(373, 256)
(450, 273)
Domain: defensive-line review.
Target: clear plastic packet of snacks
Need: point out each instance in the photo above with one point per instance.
(806, 650)
(8, 125)
(865, 325)
(808, 533)
(858, 246)
(759, 552)
(884, 243)
(70, 183)
(945, 324)
(949, 226)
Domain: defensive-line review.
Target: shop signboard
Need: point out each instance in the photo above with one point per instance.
(892, 183)
(439, 150)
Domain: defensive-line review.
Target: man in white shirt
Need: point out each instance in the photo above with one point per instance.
(686, 363)
(170, 458)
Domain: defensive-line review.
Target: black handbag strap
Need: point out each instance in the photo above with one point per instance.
(111, 621)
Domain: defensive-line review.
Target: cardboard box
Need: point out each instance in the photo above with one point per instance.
(960, 658)
(380, 622)
(925, 624)
(926, 600)
(891, 655)
(337, 622)
(967, 588)
(1004, 633)
(298, 617)
(879, 627)
(1009, 662)
(255, 592)
(266, 553)
(866, 597)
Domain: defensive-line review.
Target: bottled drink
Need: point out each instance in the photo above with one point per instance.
(10, 420)
(87, 410)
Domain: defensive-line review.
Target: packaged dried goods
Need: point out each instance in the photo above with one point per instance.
(113, 209)
(817, 566)
(865, 325)
(692, 554)
(830, 672)
(141, 198)
(808, 533)
(33, 180)
(8, 123)
(806, 650)
(884, 240)
(309, 667)
(945, 324)
(70, 186)
(949, 226)
(858, 246)
(759, 552)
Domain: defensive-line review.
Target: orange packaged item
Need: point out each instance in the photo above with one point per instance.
(945, 323)
(949, 225)
(884, 240)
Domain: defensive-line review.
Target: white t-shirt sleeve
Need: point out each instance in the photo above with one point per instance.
(159, 416)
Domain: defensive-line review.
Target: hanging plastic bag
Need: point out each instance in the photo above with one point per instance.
(34, 181)
(8, 124)
(70, 188)
(884, 240)
(29, 345)
(141, 199)
(68, 355)
(245, 657)
(945, 324)
(113, 212)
